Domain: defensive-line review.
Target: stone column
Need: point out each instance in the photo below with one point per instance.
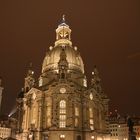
(39, 126)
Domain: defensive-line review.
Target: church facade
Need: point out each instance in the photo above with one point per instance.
(59, 105)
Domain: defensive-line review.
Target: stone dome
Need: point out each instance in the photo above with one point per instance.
(75, 62)
(63, 39)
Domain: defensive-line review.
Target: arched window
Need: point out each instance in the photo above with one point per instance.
(91, 121)
(76, 116)
(62, 114)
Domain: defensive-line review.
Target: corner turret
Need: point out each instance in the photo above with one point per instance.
(29, 79)
(96, 80)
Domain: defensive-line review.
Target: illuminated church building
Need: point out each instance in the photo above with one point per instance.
(60, 106)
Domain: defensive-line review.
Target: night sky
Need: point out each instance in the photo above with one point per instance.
(106, 32)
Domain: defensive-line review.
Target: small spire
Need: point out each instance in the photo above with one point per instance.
(30, 65)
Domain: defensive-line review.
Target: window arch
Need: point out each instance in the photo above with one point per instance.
(62, 114)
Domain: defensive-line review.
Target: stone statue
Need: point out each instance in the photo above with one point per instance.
(130, 124)
(131, 132)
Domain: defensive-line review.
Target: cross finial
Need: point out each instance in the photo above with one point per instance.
(63, 18)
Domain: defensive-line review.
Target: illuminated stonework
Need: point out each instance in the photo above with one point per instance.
(62, 106)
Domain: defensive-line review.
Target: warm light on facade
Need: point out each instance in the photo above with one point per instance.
(62, 136)
(99, 138)
(30, 136)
